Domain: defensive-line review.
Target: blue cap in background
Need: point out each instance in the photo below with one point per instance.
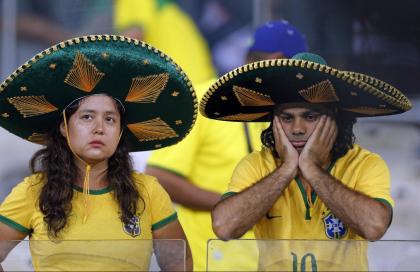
(278, 36)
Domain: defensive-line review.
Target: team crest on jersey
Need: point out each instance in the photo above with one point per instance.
(132, 228)
(334, 227)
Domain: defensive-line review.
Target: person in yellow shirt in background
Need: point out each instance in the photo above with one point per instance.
(196, 172)
(164, 25)
(311, 181)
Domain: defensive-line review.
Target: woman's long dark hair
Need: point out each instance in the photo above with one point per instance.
(56, 163)
(345, 136)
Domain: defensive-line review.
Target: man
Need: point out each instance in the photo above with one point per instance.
(311, 181)
(196, 172)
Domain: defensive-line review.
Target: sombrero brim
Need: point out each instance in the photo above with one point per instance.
(249, 92)
(159, 100)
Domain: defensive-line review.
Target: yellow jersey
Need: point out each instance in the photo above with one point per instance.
(171, 30)
(112, 244)
(292, 217)
(206, 158)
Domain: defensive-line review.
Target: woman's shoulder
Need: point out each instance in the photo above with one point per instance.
(32, 183)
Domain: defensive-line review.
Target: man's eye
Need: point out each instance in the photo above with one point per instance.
(110, 119)
(312, 117)
(286, 118)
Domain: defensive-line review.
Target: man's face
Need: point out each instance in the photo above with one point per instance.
(299, 121)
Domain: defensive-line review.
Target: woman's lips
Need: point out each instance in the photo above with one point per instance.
(96, 143)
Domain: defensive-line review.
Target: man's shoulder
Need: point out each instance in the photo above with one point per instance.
(261, 156)
(358, 154)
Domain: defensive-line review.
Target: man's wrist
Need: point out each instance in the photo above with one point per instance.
(287, 170)
(309, 169)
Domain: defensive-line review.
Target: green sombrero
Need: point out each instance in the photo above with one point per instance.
(248, 93)
(159, 100)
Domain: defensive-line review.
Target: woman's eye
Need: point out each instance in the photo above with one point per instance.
(110, 119)
(86, 117)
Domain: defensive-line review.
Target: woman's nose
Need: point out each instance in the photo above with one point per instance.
(99, 127)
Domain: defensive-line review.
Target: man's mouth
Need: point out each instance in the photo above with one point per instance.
(298, 144)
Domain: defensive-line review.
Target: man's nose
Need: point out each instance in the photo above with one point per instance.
(298, 127)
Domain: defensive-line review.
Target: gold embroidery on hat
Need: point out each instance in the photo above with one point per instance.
(38, 138)
(178, 122)
(299, 76)
(23, 89)
(5, 115)
(224, 98)
(105, 55)
(155, 129)
(216, 113)
(244, 116)
(52, 66)
(353, 93)
(258, 80)
(30, 106)
(83, 75)
(175, 93)
(145, 62)
(320, 93)
(158, 146)
(252, 98)
(370, 110)
(147, 89)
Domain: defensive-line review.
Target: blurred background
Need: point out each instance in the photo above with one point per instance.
(209, 37)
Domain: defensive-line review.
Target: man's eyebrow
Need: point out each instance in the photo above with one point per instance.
(313, 112)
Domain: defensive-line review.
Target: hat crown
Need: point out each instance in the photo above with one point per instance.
(310, 57)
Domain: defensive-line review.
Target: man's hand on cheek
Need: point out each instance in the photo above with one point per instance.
(284, 148)
(317, 151)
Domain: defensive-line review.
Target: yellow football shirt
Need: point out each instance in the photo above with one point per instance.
(291, 216)
(111, 244)
(207, 158)
(171, 30)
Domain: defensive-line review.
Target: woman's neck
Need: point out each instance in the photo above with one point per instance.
(98, 175)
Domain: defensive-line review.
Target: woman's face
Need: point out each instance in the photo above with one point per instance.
(94, 129)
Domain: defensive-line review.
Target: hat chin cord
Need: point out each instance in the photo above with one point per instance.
(86, 180)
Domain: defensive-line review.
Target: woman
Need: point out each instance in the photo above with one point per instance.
(115, 95)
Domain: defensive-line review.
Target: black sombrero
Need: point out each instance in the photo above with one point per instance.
(249, 92)
(159, 100)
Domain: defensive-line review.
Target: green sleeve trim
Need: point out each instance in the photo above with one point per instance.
(228, 194)
(14, 225)
(164, 221)
(390, 207)
(168, 170)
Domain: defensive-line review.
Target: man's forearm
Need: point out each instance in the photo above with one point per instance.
(366, 216)
(182, 191)
(235, 215)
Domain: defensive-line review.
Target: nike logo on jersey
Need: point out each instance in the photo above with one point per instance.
(268, 216)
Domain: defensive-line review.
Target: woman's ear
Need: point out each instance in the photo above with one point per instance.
(63, 130)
